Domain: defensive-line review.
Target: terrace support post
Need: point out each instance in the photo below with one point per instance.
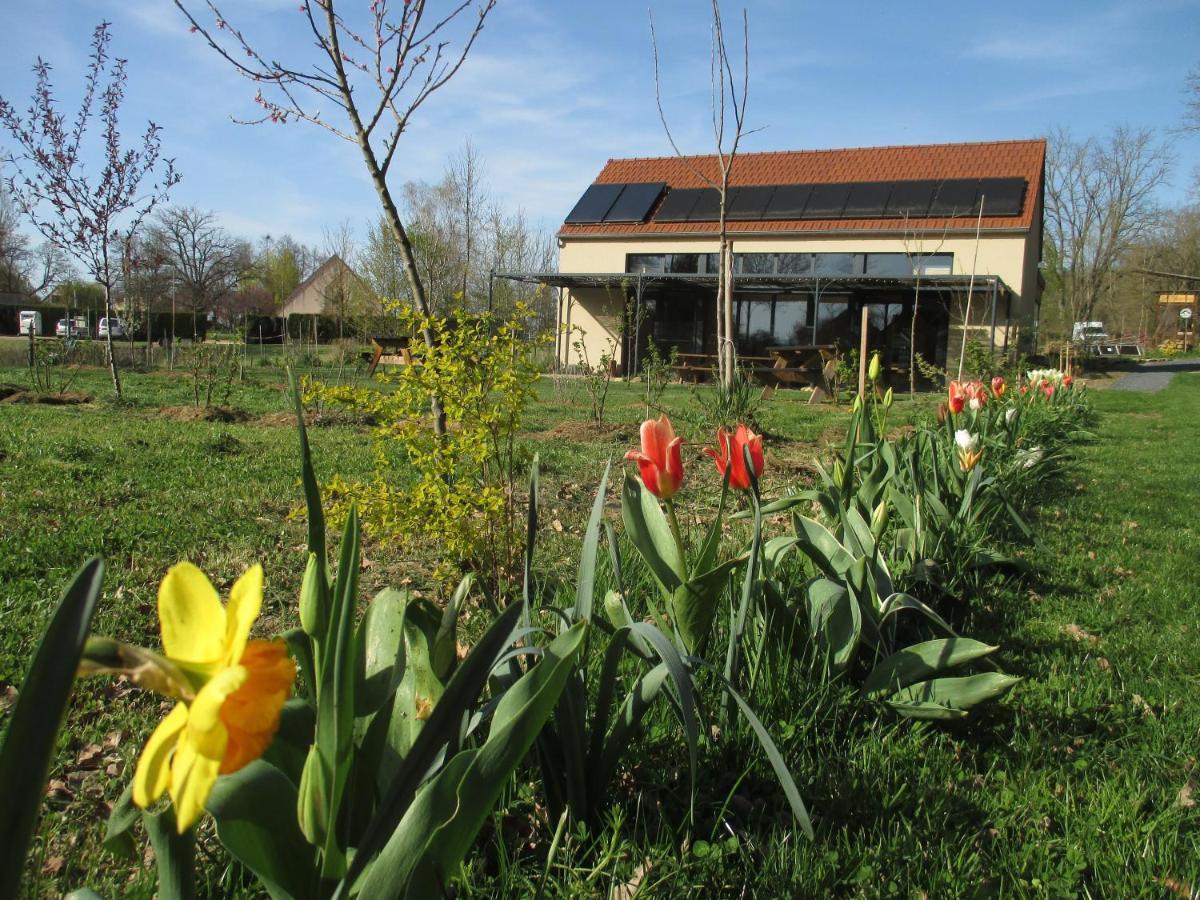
(992, 334)
(637, 326)
(862, 352)
(558, 321)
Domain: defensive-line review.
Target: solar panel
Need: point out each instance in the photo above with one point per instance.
(956, 197)
(595, 203)
(677, 205)
(827, 201)
(748, 203)
(788, 201)
(708, 206)
(910, 198)
(635, 201)
(868, 199)
(1002, 196)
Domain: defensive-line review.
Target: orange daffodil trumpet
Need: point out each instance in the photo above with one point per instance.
(241, 686)
(659, 461)
(730, 455)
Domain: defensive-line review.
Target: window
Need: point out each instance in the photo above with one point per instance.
(660, 263)
(904, 265)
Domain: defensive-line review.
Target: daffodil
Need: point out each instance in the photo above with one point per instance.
(240, 688)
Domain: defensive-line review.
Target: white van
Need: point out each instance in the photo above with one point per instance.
(30, 322)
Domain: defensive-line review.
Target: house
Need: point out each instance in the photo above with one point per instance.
(817, 236)
(324, 292)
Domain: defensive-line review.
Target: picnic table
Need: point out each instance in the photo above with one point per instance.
(801, 365)
(389, 350)
(804, 365)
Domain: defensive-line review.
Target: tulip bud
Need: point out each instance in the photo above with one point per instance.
(614, 609)
(310, 805)
(876, 367)
(879, 519)
(942, 411)
(839, 472)
(312, 611)
(858, 400)
(887, 399)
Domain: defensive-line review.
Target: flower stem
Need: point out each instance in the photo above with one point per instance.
(675, 532)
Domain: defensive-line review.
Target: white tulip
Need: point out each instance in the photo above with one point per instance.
(965, 440)
(1009, 414)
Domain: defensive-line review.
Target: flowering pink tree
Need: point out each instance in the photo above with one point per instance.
(89, 214)
(376, 74)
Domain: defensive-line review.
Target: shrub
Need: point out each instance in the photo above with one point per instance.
(454, 491)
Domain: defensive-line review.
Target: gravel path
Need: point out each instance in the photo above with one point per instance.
(1152, 377)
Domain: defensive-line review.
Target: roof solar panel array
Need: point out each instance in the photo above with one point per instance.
(954, 197)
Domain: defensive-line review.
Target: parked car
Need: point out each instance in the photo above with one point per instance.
(74, 327)
(30, 322)
(114, 325)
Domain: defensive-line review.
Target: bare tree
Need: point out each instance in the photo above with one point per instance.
(25, 269)
(89, 216)
(1099, 201)
(342, 295)
(728, 123)
(206, 261)
(378, 77)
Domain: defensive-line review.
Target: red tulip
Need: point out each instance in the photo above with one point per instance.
(1024, 389)
(998, 387)
(1047, 389)
(659, 460)
(957, 397)
(941, 414)
(729, 453)
(1067, 381)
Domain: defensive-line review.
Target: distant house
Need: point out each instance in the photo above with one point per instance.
(322, 292)
(817, 236)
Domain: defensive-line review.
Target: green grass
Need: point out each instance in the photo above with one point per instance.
(1069, 786)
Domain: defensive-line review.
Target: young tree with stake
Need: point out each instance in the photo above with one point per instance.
(377, 76)
(91, 217)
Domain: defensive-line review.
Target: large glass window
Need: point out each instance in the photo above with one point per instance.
(778, 320)
(904, 265)
(659, 263)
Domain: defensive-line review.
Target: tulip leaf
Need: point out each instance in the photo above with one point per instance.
(442, 727)
(922, 660)
(774, 757)
(586, 582)
(124, 815)
(174, 854)
(254, 809)
(419, 689)
(694, 604)
(819, 544)
(428, 845)
(380, 651)
(34, 721)
(949, 698)
(835, 620)
(650, 534)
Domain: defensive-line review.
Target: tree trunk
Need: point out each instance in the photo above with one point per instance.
(912, 338)
(112, 357)
(410, 266)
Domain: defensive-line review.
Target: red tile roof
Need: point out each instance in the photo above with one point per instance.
(991, 159)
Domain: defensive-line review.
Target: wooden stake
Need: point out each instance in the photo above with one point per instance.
(862, 354)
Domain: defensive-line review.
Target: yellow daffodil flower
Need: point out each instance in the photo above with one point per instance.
(241, 688)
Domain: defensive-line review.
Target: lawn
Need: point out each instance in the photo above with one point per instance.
(1080, 781)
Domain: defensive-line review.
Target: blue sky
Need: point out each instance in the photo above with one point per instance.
(555, 87)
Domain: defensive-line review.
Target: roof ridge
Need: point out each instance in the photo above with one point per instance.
(748, 153)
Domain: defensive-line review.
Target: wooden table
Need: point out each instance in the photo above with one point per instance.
(805, 365)
(389, 350)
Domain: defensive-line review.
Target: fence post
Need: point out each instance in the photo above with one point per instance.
(862, 353)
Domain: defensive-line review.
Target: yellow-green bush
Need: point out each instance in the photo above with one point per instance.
(454, 491)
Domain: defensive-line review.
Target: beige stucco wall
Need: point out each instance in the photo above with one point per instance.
(1011, 256)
